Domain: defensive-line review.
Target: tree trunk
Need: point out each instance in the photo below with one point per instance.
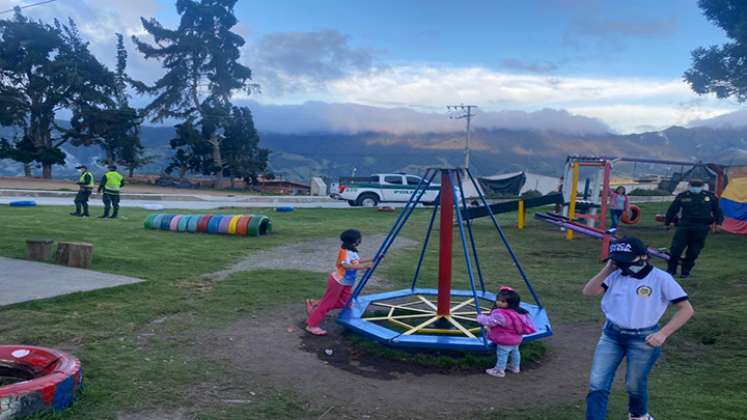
(218, 162)
(27, 170)
(47, 171)
(109, 156)
(132, 171)
(74, 254)
(39, 249)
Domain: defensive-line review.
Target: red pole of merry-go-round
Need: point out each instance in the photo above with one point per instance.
(445, 245)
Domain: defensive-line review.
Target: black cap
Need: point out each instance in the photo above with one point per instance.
(81, 167)
(112, 167)
(627, 249)
(696, 182)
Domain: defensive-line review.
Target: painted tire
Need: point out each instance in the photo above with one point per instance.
(149, 221)
(285, 209)
(56, 380)
(175, 222)
(223, 226)
(192, 225)
(22, 203)
(182, 225)
(259, 226)
(156, 222)
(232, 225)
(202, 223)
(166, 221)
(242, 227)
(635, 215)
(214, 224)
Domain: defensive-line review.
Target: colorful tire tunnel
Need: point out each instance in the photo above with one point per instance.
(36, 380)
(226, 224)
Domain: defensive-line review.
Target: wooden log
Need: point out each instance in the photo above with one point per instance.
(74, 254)
(39, 249)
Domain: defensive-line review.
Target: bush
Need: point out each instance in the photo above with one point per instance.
(531, 194)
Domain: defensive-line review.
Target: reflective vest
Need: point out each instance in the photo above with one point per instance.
(82, 179)
(113, 181)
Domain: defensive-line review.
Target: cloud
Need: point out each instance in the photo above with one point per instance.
(637, 118)
(354, 118)
(98, 21)
(303, 61)
(529, 66)
(610, 34)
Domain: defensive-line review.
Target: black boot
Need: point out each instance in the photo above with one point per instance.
(672, 266)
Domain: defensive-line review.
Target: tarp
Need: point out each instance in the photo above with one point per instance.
(734, 201)
(504, 184)
(707, 173)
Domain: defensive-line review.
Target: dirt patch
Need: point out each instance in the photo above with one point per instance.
(317, 256)
(323, 370)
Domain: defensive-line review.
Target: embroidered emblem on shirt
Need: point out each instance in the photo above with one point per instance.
(643, 291)
(707, 199)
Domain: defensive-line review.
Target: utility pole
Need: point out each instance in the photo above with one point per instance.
(464, 112)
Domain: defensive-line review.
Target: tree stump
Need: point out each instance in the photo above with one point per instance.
(39, 249)
(74, 254)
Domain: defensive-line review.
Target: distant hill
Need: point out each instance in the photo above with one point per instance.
(494, 150)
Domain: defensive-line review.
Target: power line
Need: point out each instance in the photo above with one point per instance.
(27, 6)
(466, 114)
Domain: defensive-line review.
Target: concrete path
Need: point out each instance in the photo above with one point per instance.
(22, 280)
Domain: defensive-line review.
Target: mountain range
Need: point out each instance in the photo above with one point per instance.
(333, 150)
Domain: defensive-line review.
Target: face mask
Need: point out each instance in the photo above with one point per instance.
(695, 190)
(630, 269)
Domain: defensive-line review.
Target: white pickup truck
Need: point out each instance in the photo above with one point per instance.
(369, 191)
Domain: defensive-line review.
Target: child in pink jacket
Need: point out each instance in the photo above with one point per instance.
(507, 323)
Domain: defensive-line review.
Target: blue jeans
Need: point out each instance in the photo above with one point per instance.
(503, 352)
(615, 216)
(615, 344)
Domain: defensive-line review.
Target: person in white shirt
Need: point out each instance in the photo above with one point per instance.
(635, 296)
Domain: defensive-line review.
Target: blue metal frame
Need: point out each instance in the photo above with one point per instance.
(352, 316)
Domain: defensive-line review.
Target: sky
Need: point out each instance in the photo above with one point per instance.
(619, 63)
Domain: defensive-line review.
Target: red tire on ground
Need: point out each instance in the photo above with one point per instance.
(242, 227)
(50, 380)
(202, 224)
(635, 215)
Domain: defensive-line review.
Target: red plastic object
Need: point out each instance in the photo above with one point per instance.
(57, 380)
(635, 215)
(660, 218)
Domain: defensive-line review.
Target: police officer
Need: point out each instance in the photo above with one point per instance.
(85, 188)
(693, 211)
(111, 183)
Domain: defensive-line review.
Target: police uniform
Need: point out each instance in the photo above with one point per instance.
(85, 188)
(693, 214)
(111, 183)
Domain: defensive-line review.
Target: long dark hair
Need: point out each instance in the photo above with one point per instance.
(512, 299)
(350, 238)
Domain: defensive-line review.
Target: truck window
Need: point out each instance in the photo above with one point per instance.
(413, 180)
(393, 180)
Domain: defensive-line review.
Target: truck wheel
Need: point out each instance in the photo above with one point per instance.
(368, 200)
(352, 203)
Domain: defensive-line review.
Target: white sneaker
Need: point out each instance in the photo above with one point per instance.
(514, 370)
(643, 417)
(495, 372)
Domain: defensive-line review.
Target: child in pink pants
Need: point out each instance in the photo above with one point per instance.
(339, 283)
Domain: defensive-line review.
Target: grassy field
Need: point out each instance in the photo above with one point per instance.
(703, 373)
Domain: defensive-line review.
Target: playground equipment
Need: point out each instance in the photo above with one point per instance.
(441, 318)
(598, 193)
(520, 205)
(41, 380)
(241, 225)
(566, 223)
